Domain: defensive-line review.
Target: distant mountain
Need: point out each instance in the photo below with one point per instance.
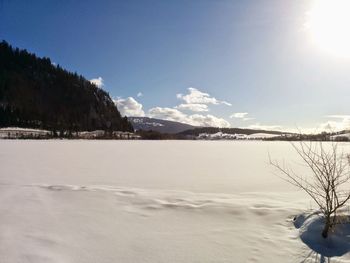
(163, 126)
(182, 129)
(212, 130)
(35, 93)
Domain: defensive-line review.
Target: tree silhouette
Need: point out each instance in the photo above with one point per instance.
(35, 93)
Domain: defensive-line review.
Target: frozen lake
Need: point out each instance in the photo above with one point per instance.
(149, 201)
(198, 166)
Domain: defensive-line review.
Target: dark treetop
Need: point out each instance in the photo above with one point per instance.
(35, 93)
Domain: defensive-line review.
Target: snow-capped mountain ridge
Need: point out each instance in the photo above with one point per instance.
(163, 126)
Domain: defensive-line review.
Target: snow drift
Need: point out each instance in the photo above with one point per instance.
(166, 201)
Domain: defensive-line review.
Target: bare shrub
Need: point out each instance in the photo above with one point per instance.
(327, 183)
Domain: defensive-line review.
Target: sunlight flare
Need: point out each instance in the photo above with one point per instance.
(328, 22)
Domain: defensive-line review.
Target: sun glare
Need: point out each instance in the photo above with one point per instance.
(329, 24)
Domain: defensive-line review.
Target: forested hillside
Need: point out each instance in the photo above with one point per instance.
(35, 93)
(162, 126)
(211, 130)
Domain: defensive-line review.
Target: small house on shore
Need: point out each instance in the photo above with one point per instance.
(17, 133)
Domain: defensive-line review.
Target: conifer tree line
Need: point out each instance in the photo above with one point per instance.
(34, 93)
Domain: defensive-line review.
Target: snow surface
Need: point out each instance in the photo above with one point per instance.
(155, 201)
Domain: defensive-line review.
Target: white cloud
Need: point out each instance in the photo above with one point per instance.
(169, 114)
(258, 126)
(129, 107)
(208, 121)
(242, 116)
(193, 107)
(195, 101)
(336, 122)
(338, 116)
(342, 122)
(172, 114)
(239, 115)
(98, 82)
(195, 96)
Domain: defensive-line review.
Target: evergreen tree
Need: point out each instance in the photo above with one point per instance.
(35, 93)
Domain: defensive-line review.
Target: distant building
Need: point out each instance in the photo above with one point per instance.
(125, 135)
(17, 133)
(24, 133)
(102, 134)
(91, 134)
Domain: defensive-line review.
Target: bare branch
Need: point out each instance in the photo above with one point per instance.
(330, 172)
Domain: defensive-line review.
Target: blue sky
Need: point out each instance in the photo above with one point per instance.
(200, 61)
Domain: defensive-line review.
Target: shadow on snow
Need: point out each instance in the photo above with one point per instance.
(323, 249)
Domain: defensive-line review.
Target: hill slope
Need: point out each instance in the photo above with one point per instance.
(34, 93)
(163, 126)
(212, 130)
(182, 130)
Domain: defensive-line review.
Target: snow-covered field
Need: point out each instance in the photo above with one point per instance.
(151, 201)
